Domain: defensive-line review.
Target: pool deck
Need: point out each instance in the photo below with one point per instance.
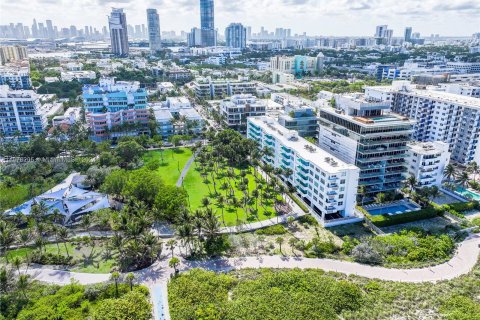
(409, 205)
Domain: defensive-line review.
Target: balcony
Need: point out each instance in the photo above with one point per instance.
(331, 193)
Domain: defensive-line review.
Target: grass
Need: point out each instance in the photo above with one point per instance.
(198, 188)
(85, 260)
(18, 194)
(172, 164)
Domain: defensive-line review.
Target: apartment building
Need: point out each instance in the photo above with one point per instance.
(327, 184)
(177, 116)
(12, 53)
(362, 132)
(15, 77)
(238, 108)
(439, 116)
(20, 113)
(208, 89)
(301, 118)
(115, 108)
(427, 161)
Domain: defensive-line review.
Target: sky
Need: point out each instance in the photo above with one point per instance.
(316, 17)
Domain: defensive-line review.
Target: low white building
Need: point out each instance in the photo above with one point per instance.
(81, 76)
(282, 77)
(427, 161)
(238, 108)
(70, 116)
(165, 87)
(327, 184)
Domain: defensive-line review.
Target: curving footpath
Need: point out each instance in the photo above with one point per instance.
(462, 262)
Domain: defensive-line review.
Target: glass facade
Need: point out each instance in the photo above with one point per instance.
(207, 23)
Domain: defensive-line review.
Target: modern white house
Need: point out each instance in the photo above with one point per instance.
(327, 184)
(427, 161)
(177, 116)
(236, 110)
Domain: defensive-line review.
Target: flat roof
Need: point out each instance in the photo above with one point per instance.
(437, 95)
(318, 157)
(385, 120)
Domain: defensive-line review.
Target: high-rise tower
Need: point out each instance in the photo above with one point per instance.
(153, 22)
(207, 23)
(118, 32)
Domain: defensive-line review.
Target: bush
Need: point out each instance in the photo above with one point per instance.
(299, 203)
(274, 230)
(132, 306)
(365, 253)
(49, 258)
(386, 220)
(308, 219)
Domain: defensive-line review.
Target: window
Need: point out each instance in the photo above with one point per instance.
(340, 203)
(342, 181)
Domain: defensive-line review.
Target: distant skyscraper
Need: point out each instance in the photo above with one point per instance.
(236, 36)
(153, 21)
(207, 23)
(408, 34)
(34, 29)
(118, 32)
(194, 38)
(50, 32)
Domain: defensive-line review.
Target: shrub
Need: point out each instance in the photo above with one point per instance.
(277, 229)
(308, 219)
(49, 258)
(387, 220)
(365, 253)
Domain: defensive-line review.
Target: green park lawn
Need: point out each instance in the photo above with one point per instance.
(85, 259)
(11, 197)
(172, 162)
(198, 188)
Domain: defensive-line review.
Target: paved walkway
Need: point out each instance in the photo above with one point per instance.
(462, 262)
(185, 170)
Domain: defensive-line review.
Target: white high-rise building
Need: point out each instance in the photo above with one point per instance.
(440, 116)
(154, 30)
(427, 161)
(327, 184)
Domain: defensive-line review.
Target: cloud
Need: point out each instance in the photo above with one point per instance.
(463, 6)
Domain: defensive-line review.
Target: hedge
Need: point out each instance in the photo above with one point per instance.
(386, 220)
(277, 229)
(299, 203)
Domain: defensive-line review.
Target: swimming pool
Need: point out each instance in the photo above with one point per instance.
(468, 194)
(388, 210)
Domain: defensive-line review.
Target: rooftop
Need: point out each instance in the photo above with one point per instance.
(429, 147)
(306, 150)
(385, 120)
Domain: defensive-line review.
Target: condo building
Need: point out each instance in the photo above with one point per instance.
(115, 108)
(326, 183)
(427, 161)
(117, 22)
(439, 116)
(236, 36)
(362, 132)
(153, 22)
(20, 113)
(17, 78)
(206, 88)
(238, 108)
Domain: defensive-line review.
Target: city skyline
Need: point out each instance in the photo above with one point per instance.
(315, 17)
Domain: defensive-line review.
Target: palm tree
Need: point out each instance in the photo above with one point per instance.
(63, 235)
(23, 283)
(433, 192)
(449, 172)
(7, 237)
(205, 202)
(221, 205)
(362, 191)
(171, 245)
(115, 276)
(463, 178)
(17, 262)
(474, 169)
(292, 241)
(173, 263)
(130, 278)
(280, 241)
(411, 182)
